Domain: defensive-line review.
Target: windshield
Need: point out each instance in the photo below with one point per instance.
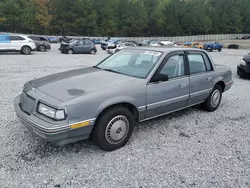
(136, 63)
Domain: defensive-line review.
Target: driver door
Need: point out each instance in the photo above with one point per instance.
(167, 96)
(79, 47)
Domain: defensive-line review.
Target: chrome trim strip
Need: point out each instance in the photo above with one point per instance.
(45, 129)
(229, 83)
(170, 112)
(141, 108)
(166, 102)
(195, 94)
(91, 121)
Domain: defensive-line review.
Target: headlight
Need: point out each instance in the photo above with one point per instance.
(242, 63)
(51, 112)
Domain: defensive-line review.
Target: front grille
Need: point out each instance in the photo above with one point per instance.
(27, 103)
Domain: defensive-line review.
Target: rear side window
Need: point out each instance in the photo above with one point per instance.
(208, 63)
(15, 38)
(196, 63)
(85, 42)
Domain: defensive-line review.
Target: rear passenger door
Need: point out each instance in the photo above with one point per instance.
(201, 76)
(16, 42)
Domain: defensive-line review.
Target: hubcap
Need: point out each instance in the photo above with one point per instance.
(70, 52)
(117, 130)
(215, 99)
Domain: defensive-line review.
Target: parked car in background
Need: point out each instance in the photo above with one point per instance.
(53, 39)
(187, 44)
(233, 46)
(246, 37)
(116, 48)
(134, 42)
(211, 46)
(243, 68)
(64, 39)
(197, 45)
(154, 43)
(112, 41)
(82, 46)
(167, 43)
(42, 43)
(104, 102)
(17, 43)
(96, 41)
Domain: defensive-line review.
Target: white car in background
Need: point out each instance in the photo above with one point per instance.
(168, 43)
(16, 43)
(111, 49)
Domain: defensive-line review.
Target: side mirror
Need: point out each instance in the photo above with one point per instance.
(159, 78)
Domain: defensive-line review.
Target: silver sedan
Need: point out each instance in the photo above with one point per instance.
(104, 102)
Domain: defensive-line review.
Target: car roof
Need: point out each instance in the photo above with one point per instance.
(166, 49)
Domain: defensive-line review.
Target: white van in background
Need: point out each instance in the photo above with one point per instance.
(16, 43)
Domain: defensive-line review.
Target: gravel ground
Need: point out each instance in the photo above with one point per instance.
(190, 148)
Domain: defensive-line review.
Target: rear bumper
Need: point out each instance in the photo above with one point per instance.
(56, 134)
(243, 71)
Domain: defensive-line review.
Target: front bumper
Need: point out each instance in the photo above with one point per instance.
(48, 47)
(243, 71)
(60, 134)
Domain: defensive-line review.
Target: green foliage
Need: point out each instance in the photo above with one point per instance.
(125, 17)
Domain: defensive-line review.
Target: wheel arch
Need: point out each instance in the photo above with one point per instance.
(221, 84)
(131, 107)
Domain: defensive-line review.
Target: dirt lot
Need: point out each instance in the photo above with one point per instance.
(191, 148)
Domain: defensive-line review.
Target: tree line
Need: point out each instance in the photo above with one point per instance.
(125, 17)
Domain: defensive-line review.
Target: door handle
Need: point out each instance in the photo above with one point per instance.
(209, 78)
(183, 85)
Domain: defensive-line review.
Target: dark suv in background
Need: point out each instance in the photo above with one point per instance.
(42, 43)
(81, 46)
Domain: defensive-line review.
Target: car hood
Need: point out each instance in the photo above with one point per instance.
(68, 85)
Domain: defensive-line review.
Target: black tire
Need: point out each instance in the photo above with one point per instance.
(26, 50)
(42, 48)
(70, 51)
(117, 50)
(219, 49)
(92, 52)
(210, 50)
(208, 105)
(102, 132)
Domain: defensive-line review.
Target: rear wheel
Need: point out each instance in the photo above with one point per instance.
(26, 50)
(92, 52)
(219, 49)
(214, 99)
(113, 128)
(42, 48)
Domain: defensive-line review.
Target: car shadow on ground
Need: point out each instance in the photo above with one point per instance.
(14, 53)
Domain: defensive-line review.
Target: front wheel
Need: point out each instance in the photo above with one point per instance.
(219, 49)
(213, 100)
(70, 51)
(113, 129)
(26, 50)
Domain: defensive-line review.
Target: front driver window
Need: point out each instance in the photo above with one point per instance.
(174, 67)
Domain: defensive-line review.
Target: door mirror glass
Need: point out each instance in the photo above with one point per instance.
(159, 78)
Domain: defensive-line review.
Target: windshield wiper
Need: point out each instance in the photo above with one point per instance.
(111, 70)
(96, 67)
